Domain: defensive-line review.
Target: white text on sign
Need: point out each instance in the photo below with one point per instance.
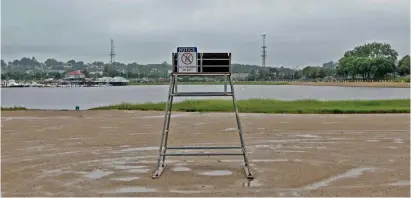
(186, 49)
(187, 69)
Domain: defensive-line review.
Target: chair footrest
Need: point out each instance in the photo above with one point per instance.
(199, 154)
(204, 147)
(203, 94)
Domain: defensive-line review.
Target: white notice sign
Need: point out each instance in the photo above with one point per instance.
(187, 59)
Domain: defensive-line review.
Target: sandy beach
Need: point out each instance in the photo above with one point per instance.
(113, 153)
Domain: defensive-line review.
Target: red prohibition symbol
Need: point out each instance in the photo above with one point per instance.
(187, 58)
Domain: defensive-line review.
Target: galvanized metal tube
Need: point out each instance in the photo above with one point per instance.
(184, 94)
(174, 83)
(240, 128)
(164, 125)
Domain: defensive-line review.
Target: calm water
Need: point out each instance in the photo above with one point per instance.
(87, 97)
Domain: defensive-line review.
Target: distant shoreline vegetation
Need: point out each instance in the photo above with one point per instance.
(387, 84)
(269, 106)
(370, 61)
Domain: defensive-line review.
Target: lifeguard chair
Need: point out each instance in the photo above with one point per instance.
(187, 62)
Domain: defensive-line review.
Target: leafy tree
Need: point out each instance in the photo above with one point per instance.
(313, 72)
(403, 65)
(71, 62)
(320, 73)
(51, 61)
(86, 73)
(3, 63)
(372, 60)
(329, 64)
(110, 71)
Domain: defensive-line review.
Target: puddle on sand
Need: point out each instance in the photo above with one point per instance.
(308, 136)
(125, 178)
(138, 170)
(355, 172)
(391, 147)
(21, 118)
(135, 189)
(184, 191)
(290, 151)
(371, 140)
(216, 173)
(398, 141)
(262, 146)
(123, 167)
(162, 116)
(97, 174)
(401, 183)
(149, 148)
(109, 127)
(230, 129)
(181, 169)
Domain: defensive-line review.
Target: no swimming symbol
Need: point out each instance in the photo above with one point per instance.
(187, 58)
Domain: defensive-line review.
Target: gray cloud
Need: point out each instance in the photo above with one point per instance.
(299, 32)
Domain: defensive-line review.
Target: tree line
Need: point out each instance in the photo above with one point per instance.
(370, 61)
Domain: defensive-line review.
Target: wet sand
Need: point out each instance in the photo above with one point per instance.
(113, 153)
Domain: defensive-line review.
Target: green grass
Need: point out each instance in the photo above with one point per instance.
(15, 108)
(215, 83)
(402, 79)
(276, 106)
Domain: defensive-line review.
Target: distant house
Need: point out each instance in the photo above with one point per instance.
(75, 74)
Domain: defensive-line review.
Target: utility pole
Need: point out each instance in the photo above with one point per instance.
(112, 53)
(264, 51)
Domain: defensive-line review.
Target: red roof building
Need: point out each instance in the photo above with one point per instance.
(75, 74)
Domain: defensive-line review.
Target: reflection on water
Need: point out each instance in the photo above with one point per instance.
(87, 97)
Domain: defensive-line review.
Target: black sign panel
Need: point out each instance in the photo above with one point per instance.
(210, 62)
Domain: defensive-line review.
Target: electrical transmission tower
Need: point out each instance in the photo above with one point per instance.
(264, 52)
(112, 53)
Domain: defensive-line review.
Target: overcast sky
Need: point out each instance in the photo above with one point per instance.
(299, 32)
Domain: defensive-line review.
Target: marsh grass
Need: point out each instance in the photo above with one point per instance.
(276, 106)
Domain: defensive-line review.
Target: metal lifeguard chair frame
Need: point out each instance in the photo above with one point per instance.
(207, 64)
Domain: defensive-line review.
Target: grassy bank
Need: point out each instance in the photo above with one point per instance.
(276, 106)
(15, 108)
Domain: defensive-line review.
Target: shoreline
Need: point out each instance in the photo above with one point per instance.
(267, 106)
(334, 84)
(356, 84)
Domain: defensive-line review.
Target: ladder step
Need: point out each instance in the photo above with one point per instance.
(198, 154)
(203, 94)
(204, 147)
